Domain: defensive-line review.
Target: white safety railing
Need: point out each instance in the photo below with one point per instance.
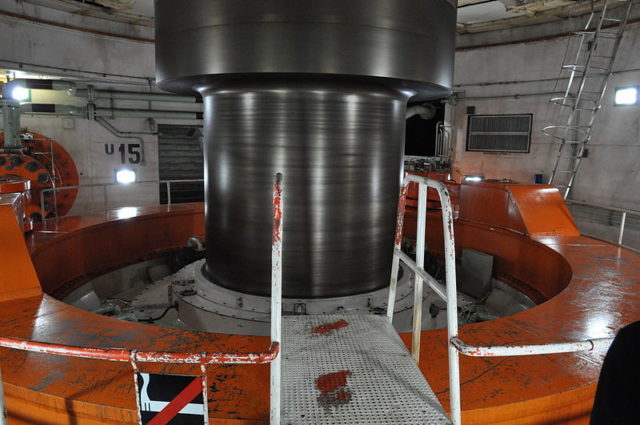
(623, 219)
(272, 355)
(449, 294)
(105, 190)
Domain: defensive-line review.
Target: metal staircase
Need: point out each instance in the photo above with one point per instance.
(586, 73)
(354, 368)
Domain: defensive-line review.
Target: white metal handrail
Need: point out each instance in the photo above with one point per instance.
(530, 350)
(104, 186)
(622, 211)
(272, 355)
(448, 293)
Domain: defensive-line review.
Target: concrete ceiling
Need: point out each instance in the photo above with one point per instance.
(473, 15)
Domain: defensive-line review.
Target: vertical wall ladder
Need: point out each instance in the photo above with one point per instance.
(586, 73)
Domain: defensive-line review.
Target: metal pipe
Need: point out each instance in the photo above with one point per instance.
(126, 95)
(195, 243)
(50, 108)
(421, 246)
(439, 289)
(3, 406)
(147, 113)
(587, 204)
(425, 111)
(38, 84)
(622, 223)
(11, 123)
(108, 308)
(72, 90)
(395, 265)
(276, 299)
(452, 302)
(530, 350)
(126, 355)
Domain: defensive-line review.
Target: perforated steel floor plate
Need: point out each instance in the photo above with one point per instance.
(351, 369)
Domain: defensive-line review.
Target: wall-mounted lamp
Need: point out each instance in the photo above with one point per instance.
(627, 96)
(125, 176)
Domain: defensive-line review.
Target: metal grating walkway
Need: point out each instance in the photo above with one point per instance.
(351, 369)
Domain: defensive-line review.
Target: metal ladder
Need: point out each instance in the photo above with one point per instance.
(589, 71)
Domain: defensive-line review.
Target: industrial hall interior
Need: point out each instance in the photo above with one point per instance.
(318, 212)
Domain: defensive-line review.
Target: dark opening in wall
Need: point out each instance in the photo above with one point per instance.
(180, 157)
(421, 134)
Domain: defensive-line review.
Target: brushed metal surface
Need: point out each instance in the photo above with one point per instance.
(316, 90)
(408, 43)
(340, 149)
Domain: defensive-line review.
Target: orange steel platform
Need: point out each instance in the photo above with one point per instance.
(585, 289)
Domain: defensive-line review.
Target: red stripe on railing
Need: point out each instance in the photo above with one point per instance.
(124, 355)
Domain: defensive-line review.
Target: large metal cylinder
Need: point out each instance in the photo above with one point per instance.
(317, 91)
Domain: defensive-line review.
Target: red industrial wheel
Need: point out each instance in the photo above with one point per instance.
(45, 163)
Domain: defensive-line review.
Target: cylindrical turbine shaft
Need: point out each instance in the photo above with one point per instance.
(318, 92)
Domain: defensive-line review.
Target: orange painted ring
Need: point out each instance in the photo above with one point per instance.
(525, 390)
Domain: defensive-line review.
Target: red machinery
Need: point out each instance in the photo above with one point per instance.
(45, 164)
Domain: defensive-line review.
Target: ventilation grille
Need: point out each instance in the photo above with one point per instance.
(499, 133)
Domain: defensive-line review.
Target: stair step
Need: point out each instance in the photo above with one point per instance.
(352, 369)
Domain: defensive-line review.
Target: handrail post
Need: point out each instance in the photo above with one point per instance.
(418, 283)
(622, 224)
(168, 183)
(395, 265)
(3, 406)
(42, 209)
(452, 302)
(276, 299)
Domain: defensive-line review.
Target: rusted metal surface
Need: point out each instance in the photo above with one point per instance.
(586, 288)
(531, 349)
(395, 264)
(275, 379)
(122, 355)
(449, 252)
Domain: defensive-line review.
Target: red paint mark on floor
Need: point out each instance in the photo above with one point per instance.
(333, 388)
(327, 328)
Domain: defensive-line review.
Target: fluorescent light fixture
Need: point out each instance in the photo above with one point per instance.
(626, 96)
(473, 178)
(125, 176)
(21, 94)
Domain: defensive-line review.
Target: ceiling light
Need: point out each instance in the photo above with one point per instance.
(626, 96)
(125, 176)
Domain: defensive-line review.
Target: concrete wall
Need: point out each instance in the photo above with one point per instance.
(611, 173)
(120, 62)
